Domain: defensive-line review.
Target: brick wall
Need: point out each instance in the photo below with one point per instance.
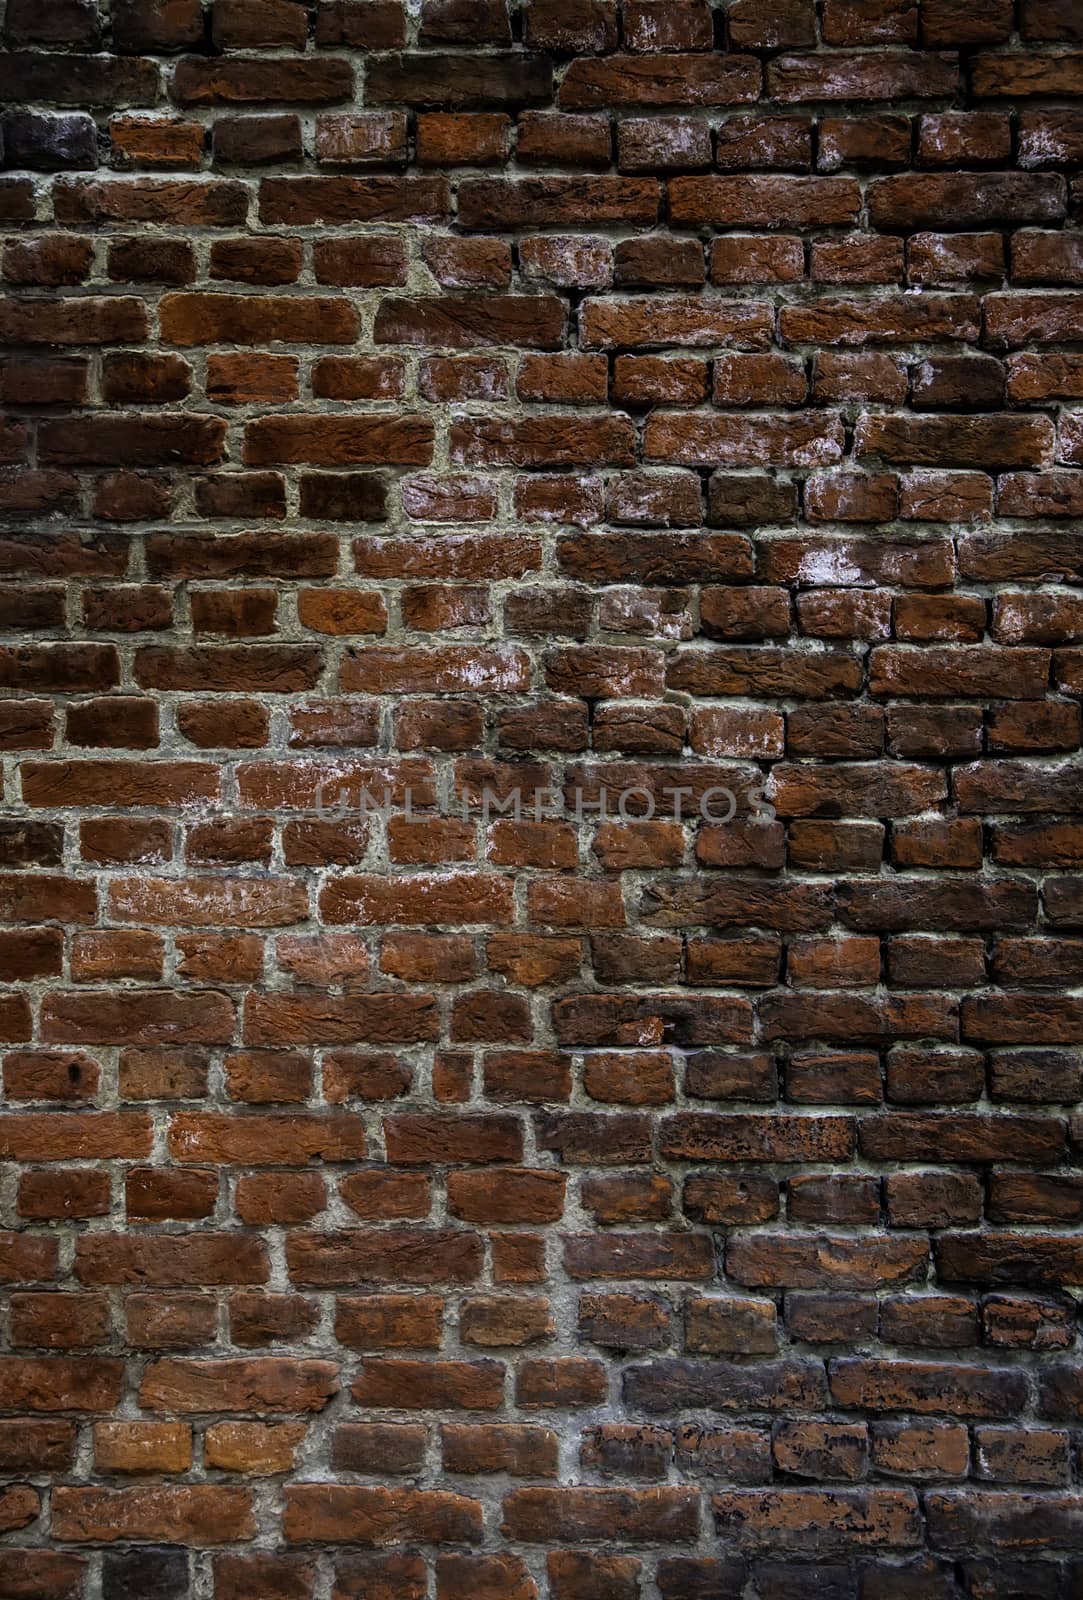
(457, 403)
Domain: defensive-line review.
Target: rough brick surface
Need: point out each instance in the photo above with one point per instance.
(541, 977)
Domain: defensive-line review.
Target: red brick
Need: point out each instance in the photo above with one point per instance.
(315, 1513)
(548, 1515)
(578, 523)
(200, 1513)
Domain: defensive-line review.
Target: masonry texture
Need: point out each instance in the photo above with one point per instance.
(483, 407)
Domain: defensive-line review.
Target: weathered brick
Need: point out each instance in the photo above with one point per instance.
(354, 1092)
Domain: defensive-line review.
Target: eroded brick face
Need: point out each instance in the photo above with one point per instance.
(423, 424)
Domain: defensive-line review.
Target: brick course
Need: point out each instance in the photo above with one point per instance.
(666, 400)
